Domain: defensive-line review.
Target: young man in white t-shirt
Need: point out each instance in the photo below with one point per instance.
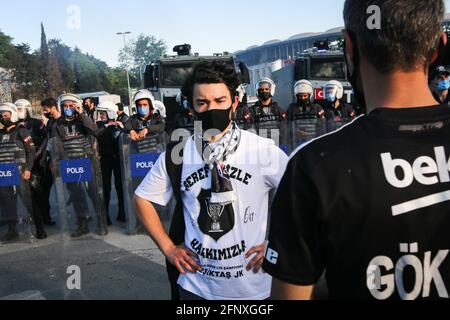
(222, 187)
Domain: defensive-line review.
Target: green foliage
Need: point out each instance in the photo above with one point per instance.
(140, 52)
(56, 68)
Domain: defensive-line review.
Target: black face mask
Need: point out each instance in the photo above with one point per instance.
(48, 115)
(214, 119)
(264, 96)
(354, 73)
(6, 122)
(302, 102)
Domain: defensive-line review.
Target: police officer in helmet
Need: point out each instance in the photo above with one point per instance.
(146, 121)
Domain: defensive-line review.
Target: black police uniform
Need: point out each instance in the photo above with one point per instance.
(108, 141)
(41, 175)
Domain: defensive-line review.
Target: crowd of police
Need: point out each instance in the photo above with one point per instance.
(81, 146)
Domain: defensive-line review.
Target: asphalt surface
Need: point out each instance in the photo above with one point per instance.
(114, 267)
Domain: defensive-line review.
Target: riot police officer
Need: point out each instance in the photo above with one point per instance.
(335, 108)
(17, 150)
(185, 118)
(74, 139)
(304, 105)
(38, 181)
(108, 140)
(306, 118)
(266, 109)
(146, 121)
(267, 115)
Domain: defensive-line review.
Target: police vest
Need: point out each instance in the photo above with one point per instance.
(12, 149)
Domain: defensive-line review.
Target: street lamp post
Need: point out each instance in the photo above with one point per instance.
(126, 68)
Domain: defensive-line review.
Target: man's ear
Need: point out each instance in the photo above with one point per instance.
(349, 47)
(235, 103)
(442, 43)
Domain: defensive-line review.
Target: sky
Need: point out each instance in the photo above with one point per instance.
(209, 26)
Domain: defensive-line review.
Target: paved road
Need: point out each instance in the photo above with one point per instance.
(114, 267)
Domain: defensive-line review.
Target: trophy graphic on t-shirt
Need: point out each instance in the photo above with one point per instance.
(215, 211)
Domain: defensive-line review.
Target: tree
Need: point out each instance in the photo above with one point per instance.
(28, 75)
(55, 82)
(140, 52)
(44, 59)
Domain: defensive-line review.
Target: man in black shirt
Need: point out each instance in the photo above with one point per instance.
(52, 113)
(108, 141)
(89, 107)
(369, 204)
(121, 115)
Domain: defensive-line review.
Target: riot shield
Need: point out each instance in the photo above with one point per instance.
(271, 128)
(305, 129)
(15, 204)
(79, 189)
(337, 123)
(137, 159)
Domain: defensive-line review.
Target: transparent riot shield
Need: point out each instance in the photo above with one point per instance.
(137, 159)
(15, 205)
(337, 123)
(79, 189)
(272, 128)
(305, 129)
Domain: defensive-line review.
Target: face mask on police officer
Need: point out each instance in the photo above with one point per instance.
(330, 97)
(264, 96)
(143, 111)
(6, 122)
(443, 85)
(69, 112)
(302, 102)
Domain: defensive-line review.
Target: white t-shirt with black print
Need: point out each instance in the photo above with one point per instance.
(222, 240)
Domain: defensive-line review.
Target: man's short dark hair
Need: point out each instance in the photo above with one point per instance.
(49, 103)
(409, 33)
(120, 106)
(91, 100)
(207, 72)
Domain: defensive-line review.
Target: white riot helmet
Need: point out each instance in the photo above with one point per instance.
(144, 94)
(69, 97)
(334, 89)
(241, 92)
(10, 107)
(178, 98)
(269, 81)
(24, 106)
(302, 87)
(110, 108)
(183, 103)
(160, 108)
